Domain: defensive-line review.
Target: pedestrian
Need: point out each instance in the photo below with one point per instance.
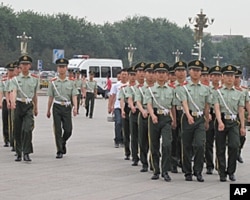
(229, 110)
(195, 101)
(90, 92)
(159, 100)
(108, 86)
(79, 86)
(62, 94)
(24, 100)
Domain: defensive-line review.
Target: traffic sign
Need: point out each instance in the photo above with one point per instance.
(39, 65)
(57, 53)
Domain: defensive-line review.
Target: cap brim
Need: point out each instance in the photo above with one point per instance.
(195, 67)
(180, 68)
(25, 62)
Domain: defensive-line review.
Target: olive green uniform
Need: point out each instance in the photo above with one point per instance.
(125, 121)
(233, 99)
(194, 135)
(133, 124)
(164, 95)
(62, 91)
(4, 112)
(91, 88)
(142, 126)
(26, 87)
(79, 85)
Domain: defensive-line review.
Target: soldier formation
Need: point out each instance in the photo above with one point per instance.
(161, 119)
(168, 122)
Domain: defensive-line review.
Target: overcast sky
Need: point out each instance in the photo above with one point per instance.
(231, 16)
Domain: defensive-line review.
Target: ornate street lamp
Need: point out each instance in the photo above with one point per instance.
(130, 50)
(201, 22)
(218, 58)
(177, 54)
(24, 42)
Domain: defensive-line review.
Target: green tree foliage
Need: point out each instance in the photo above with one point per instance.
(155, 39)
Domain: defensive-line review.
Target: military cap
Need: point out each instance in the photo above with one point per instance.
(180, 65)
(10, 66)
(204, 70)
(131, 70)
(16, 63)
(139, 66)
(229, 69)
(25, 59)
(215, 70)
(238, 73)
(62, 61)
(171, 70)
(91, 72)
(149, 67)
(195, 64)
(161, 67)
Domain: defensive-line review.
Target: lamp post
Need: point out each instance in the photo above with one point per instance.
(218, 58)
(201, 22)
(24, 42)
(130, 50)
(177, 54)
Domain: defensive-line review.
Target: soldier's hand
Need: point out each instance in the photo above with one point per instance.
(190, 120)
(48, 114)
(123, 114)
(145, 114)
(221, 126)
(35, 111)
(154, 119)
(210, 117)
(173, 124)
(133, 109)
(243, 131)
(206, 125)
(75, 111)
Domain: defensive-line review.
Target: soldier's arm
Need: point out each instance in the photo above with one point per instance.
(50, 101)
(34, 99)
(1, 98)
(74, 100)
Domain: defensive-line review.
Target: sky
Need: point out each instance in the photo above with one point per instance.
(230, 16)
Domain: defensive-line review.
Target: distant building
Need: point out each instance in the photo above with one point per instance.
(220, 38)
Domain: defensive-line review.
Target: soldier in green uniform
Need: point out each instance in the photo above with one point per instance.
(90, 90)
(143, 115)
(195, 101)
(79, 86)
(180, 69)
(4, 107)
(215, 76)
(227, 103)
(244, 90)
(133, 116)
(62, 91)
(24, 99)
(159, 99)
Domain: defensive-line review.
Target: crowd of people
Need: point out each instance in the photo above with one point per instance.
(166, 121)
(162, 119)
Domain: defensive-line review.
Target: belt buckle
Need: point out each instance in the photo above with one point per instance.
(194, 114)
(23, 99)
(160, 112)
(227, 117)
(62, 103)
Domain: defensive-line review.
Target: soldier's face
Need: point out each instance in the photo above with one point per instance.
(62, 69)
(180, 73)
(161, 76)
(150, 76)
(195, 73)
(228, 78)
(237, 80)
(25, 67)
(215, 78)
(140, 74)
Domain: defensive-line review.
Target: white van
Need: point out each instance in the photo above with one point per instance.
(101, 67)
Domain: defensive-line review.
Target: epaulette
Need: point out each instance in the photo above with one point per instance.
(238, 88)
(4, 78)
(140, 85)
(34, 75)
(53, 79)
(219, 87)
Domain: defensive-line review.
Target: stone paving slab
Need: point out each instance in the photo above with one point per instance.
(94, 169)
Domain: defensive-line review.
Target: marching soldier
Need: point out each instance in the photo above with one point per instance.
(24, 101)
(4, 107)
(139, 74)
(90, 90)
(79, 86)
(180, 69)
(195, 101)
(227, 103)
(62, 91)
(143, 115)
(215, 76)
(244, 90)
(159, 99)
